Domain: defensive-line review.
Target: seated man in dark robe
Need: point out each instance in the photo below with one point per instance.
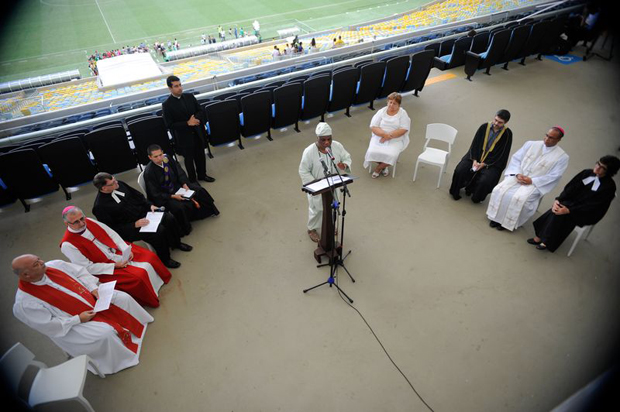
(164, 177)
(124, 209)
(583, 202)
(481, 167)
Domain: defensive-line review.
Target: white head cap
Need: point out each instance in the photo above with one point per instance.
(323, 129)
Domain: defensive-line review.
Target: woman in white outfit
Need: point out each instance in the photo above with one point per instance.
(390, 136)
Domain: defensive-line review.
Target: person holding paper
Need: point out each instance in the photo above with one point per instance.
(533, 171)
(311, 168)
(124, 210)
(481, 167)
(57, 299)
(164, 177)
(390, 136)
(104, 254)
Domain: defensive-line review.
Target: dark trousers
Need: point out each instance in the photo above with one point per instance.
(195, 160)
(185, 211)
(479, 184)
(168, 236)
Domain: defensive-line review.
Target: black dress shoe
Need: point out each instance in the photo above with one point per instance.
(172, 264)
(542, 246)
(185, 247)
(455, 197)
(500, 227)
(494, 224)
(531, 241)
(207, 178)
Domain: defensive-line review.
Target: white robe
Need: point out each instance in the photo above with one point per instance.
(512, 204)
(311, 169)
(95, 339)
(388, 151)
(75, 256)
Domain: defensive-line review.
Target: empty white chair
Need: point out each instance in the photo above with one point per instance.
(582, 232)
(64, 382)
(141, 182)
(437, 157)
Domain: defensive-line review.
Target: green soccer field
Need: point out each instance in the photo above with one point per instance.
(48, 36)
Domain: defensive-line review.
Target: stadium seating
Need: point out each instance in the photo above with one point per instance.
(68, 161)
(395, 75)
(371, 78)
(456, 57)
(287, 105)
(493, 54)
(315, 97)
(147, 131)
(256, 114)
(344, 84)
(223, 127)
(518, 39)
(110, 149)
(32, 181)
(421, 64)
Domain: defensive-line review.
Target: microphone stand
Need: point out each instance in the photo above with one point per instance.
(333, 271)
(338, 260)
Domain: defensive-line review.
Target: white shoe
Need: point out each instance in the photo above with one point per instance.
(386, 172)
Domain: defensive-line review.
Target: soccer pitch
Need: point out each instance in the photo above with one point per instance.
(48, 36)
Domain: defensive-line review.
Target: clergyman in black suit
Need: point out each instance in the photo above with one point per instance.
(124, 209)
(182, 115)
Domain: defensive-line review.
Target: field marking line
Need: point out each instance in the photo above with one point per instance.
(105, 21)
(304, 24)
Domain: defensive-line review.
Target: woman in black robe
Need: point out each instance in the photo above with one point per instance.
(584, 201)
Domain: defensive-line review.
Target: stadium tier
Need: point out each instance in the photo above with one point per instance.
(71, 95)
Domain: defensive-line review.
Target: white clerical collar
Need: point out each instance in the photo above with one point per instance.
(176, 97)
(595, 179)
(42, 281)
(115, 195)
(161, 165)
(547, 149)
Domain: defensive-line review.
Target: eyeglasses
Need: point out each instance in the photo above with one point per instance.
(112, 182)
(81, 220)
(602, 166)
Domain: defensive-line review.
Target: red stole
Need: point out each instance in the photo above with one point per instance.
(88, 247)
(116, 317)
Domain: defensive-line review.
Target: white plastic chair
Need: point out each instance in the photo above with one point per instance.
(437, 157)
(64, 382)
(582, 232)
(141, 182)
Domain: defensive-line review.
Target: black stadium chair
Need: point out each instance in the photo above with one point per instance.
(344, 84)
(490, 57)
(434, 47)
(147, 131)
(371, 78)
(446, 47)
(224, 96)
(287, 105)
(421, 64)
(68, 160)
(395, 74)
(315, 97)
(256, 113)
(24, 174)
(237, 97)
(517, 42)
(456, 58)
(223, 124)
(7, 197)
(107, 124)
(532, 45)
(551, 38)
(480, 42)
(110, 148)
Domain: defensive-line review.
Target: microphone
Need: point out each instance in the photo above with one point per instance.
(330, 154)
(324, 166)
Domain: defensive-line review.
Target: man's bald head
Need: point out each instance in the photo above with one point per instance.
(29, 268)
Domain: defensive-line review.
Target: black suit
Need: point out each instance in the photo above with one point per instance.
(183, 210)
(189, 140)
(121, 217)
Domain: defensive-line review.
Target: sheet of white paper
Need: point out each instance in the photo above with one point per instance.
(322, 184)
(154, 219)
(105, 296)
(185, 193)
(126, 254)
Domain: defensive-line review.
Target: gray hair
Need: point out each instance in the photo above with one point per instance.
(71, 210)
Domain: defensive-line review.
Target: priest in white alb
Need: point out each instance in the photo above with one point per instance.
(311, 168)
(57, 299)
(533, 171)
(106, 255)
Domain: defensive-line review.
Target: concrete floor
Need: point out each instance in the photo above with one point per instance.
(476, 318)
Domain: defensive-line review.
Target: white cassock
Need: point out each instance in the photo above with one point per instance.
(96, 339)
(389, 151)
(75, 256)
(311, 169)
(512, 203)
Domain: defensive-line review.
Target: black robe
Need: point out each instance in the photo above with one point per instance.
(183, 210)
(586, 208)
(480, 183)
(121, 217)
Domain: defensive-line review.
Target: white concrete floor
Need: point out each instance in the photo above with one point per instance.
(477, 319)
